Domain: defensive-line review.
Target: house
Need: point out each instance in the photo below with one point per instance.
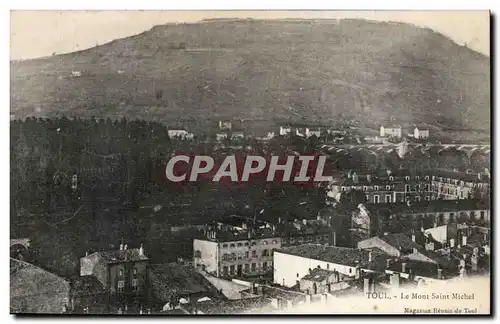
(172, 281)
(395, 131)
(304, 231)
(225, 124)
(228, 252)
(34, 290)
(293, 263)
(420, 132)
(319, 281)
(237, 135)
(88, 296)
(392, 244)
(180, 133)
(122, 272)
(221, 136)
(285, 130)
(76, 73)
(313, 132)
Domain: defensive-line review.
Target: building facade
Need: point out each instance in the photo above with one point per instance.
(121, 272)
(420, 133)
(391, 131)
(225, 253)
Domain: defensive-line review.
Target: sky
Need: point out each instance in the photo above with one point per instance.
(42, 33)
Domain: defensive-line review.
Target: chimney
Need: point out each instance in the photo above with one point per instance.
(308, 299)
(440, 273)
(279, 220)
(394, 280)
(125, 247)
(304, 221)
(413, 238)
(430, 246)
(370, 256)
(366, 286)
(121, 246)
(452, 243)
(86, 253)
(388, 263)
(464, 240)
(141, 250)
(422, 229)
(369, 178)
(415, 250)
(403, 267)
(334, 238)
(479, 175)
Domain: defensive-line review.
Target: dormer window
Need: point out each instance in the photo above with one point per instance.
(232, 245)
(376, 188)
(407, 178)
(391, 178)
(342, 189)
(427, 178)
(417, 178)
(387, 187)
(365, 188)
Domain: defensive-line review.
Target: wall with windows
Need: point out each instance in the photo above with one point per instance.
(206, 256)
(249, 257)
(128, 277)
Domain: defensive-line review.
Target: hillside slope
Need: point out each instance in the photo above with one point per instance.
(303, 70)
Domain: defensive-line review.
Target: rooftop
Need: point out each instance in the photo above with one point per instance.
(128, 255)
(423, 269)
(318, 275)
(433, 206)
(237, 306)
(171, 279)
(339, 255)
(400, 240)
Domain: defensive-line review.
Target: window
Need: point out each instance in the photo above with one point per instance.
(417, 178)
(231, 269)
(275, 242)
(325, 237)
(391, 178)
(232, 245)
(367, 198)
(254, 244)
(387, 187)
(120, 273)
(134, 284)
(417, 187)
(427, 187)
(246, 243)
(481, 215)
(417, 198)
(350, 270)
(225, 257)
(387, 198)
(327, 266)
(407, 187)
(197, 254)
(427, 178)
(376, 199)
(264, 266)
(375, 188)
(264, 242)
(365, 188)
(247, 254)
(254, 267)
(247, 267)
(428, 198)
(240, 244)
(342, 189)
(224, 270)
(134, 272)
(239, 256)
(121, 286)
(407, 198)
(254, 254)
(224, 246)
(233, 256)
(407, 178)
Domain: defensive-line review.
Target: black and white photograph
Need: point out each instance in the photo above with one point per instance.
(250, 162)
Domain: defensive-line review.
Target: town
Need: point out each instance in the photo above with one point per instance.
(402, 208)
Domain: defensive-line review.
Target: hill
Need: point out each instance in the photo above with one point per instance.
(266, 72)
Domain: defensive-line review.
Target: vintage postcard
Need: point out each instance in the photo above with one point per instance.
(239, 162)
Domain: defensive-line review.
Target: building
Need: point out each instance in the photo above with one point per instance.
(237, 135)
(293, 263)
(285, 130)
(320, 281)
(229, 252)
(313, 132)
(395, 131)
(420, 132)
(180, 134)
(304, 231)
(221, 136)
(122, 272)
(171, 282)
(88, 296)
(454, 185)
(225, 124)
(34, 290)
(401, 186)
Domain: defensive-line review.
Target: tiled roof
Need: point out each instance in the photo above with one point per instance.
(339, 255)
(424, 269)
(171, 279)
(122, 256)
(35, 290)
(87, 285)
(318, 275)
(237, 306)
(400, 240)
(280, 292)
